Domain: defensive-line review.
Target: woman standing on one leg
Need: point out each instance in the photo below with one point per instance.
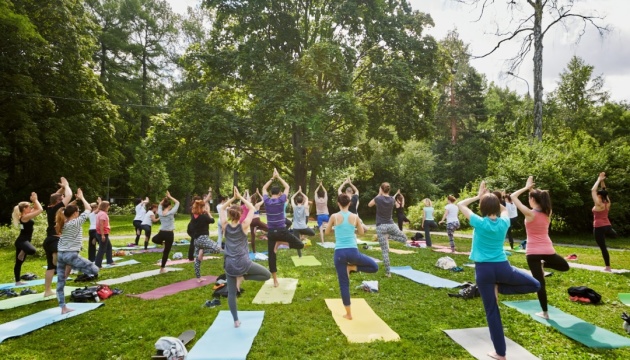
(347, 256)
(23, 215)
(299, 202)
(540, 251)
(400, 209)
(321, 206)
(428, 221)
(166, 211)
(451, 212)
(102, 235)
(57, 201)
(238, 266)
(256, 200)
(513, 214)
(601, 224)
(141, 209)
(147, 222)
(493, 272)
(200, 227)
(92, 239)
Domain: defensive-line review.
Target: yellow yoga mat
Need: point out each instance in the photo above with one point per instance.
(396, 251)
(283, 294)
(365, 325)
(305, 261)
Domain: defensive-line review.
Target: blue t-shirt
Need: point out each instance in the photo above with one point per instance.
(275, 211)
(344, 233)
(428, 213)
(488, 238)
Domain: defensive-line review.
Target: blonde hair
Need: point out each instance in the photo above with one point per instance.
(17, 212)
(427, 202)
(93, 206)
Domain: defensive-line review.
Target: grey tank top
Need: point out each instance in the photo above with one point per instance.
(236, 253)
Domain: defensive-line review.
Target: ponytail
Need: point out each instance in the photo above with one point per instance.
(17, 213)
(543, 199)
(60, 220)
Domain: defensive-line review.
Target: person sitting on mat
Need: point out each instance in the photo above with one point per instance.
(166, 211)
(23, 215)
(347, 257)
(493, 272)
(237, 264)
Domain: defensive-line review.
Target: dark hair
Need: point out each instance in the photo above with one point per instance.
(299, 198)
(137, 201)
(253, 199)
(222, 198)
(451, 198)
(166, 202)
(275, 190)
(343, 199)
(385, 187)
(198, 207)
(490, 205)
(234, 212)
(62, 215)
(152, 206)
(603, 193)
(508, 197)
(498, 194)
(320, 193)
(543, 199)
(398, 197)
(54, 199)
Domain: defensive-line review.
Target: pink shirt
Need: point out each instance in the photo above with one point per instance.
(102, 218)
(538, 240)
(600, 218)
(245, 211)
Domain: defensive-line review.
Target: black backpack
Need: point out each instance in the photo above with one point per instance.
(468, 291)
(86, 294)
(585, 292)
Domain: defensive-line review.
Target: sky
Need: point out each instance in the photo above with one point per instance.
(610, 55)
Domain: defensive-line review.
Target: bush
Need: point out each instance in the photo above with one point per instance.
(8, 234)
(129, 209)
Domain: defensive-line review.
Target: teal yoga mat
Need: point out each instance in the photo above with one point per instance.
(22, 300)
(38, 320)
(571, 326)
(235, 342)
(424, 278)
(625, 298)
(28, 283)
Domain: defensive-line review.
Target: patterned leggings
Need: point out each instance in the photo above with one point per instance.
(450, 230)
(204, 242)
(394, 234)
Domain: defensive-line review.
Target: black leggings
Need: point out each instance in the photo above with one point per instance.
(555, 262)
(282, 235)
(402, 219)
(137, 224)
(509, 232)
(600, 237)
(166, 237)
(28, 248)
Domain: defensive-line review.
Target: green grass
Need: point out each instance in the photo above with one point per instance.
(127, 328)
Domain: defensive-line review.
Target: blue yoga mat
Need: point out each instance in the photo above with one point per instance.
(252, 256)
(571, 326)
(124, 263)
(424, 278)
(28, 283)
(235, 343)
(38, 320)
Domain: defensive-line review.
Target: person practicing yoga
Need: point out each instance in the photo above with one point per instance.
(428, 221)
(256, 200)
(347, 257)
(539, 251)
(147, 222)
(385, 224)
(278, 232)
(602, 227)
(141, 209)
(452, 220)
(299, 203)
(23, 215)
(58, 200)
(166, 210)
(70, 225)
(493, 272)
(237, 265)
(400, 210)
(353, 194)
(200, 229)
(513, 214)
(206, 207)
(102, 235)
(321, 207)
(92, 239)
(222, 200)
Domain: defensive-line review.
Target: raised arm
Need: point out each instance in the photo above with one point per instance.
(529, 213)
(37, 209)
(293, 197)
(266, 186)
(373, 202)
(284, 183)
(86, 204)
(595, 187)
(224, 209)
(208, 197)
(250, 213)
(402, 198)
(67, 192)
(354, 188)
(176, 206)
(331, 224)
(463, 205)
(340, 190)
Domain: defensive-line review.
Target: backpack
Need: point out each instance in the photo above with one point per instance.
(85, 295)
(104, 292)
(468, 291)
(584, 294)
(417, 236)
(86, 278)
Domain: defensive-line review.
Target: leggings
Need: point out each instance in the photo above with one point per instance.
(394, 234)
(555, 262)
(284, 235)
(509, 232)
(351, 256)
(147, 235)
(28, 248)
(428, 225)
(256, 272)
(450, 231)
(600, 237)
(104, 248)
(166, 237)
(50, 247)
(73, 259)
(256, 223)
(92, 240)
(137, 224)
(191, 249)
(204, 242)
(402, 219)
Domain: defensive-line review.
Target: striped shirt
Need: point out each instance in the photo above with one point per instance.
(275, 211)
(72, 233)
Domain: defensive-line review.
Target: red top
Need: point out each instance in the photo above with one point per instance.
(538, 241)
(600, 218)
(102, 218)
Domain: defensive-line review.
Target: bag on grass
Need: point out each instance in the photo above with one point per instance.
(468, 291)
(104, 292)
(446, 263)
(417, 236)
(28, 277)
(584, 294)
(86, 294)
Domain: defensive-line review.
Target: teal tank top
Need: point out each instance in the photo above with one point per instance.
(344, 233)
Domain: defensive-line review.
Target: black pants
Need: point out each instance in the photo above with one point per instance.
(555, 262)
(28, 248)
(600, 237)
(509, 232)
(283, 235)
(191, 249)
(137, 224)
(166, 237)
(92, 240)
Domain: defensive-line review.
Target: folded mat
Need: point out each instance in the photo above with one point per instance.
(365, 325)
(283, 294)
(138, 247)
(224, 341)
(135, 276)
(28, 283)
(175, 288)
(478, 343)
(625, 298)
(424, 278)
(571, 326)
(38, 320)
(327, 245)
(309, 260)
(184, 261)
(18, 301)
(596, 268)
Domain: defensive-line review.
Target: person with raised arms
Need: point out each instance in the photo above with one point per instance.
(256, 200)
(141, 209)
(278, 232)
(166, 210)
(147, 223)
(23, 215)
(237, 265)
(400, 209)
(452, 220)
(321, 207)
(299, 203)
(92, 239)
(601, 224)
(58, 200)
(200, 228)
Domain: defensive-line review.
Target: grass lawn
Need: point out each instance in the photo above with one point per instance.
(127, 328)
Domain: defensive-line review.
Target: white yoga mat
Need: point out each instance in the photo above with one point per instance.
(477, 342)
(596, 268)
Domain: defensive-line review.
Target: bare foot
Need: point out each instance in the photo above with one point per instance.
(607, 269)
(162, 270)
(21, 255)
(65, 310)
(239, 282)
(543, 314)
(48, 293)
(276, 283)
(18, 283)
(201, 280)
(348, 316)
(494, 355)
(237, 323)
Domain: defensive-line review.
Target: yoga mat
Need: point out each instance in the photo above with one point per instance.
(596, 268)
(283, 294)
(38, 320)
(519, 251)
(28, 283)
(124, 263)
(139, 247)
(369, 243)
(305, 261)
(135, 276)
(21, 300)
(365, 325)
(571, 326)
(327, 245)
(478, 343)
(175, 288)
(113, 259)
(448, 251)
(423, 278)
(625, 298)
(252, 256)
(181, 242)
(225, 342)
(142, 251)
(396, 251)
(184, 261)
(547, 273)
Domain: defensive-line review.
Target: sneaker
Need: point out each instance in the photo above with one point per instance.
(212, 303)
(28, 292)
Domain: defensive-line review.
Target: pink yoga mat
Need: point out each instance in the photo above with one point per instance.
(448, 251)
(175, 288)
(184, 261)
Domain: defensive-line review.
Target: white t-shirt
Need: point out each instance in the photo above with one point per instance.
(92, 218)
(219, 207)
(146, 220)
(453, 210)
(511, 208)
(141, 210)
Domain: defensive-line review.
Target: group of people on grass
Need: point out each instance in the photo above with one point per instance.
(493, 272)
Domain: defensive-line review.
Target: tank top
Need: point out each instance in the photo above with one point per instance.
(428, 213)
(26, 230)
(400, 211)
(237, 261)
(344, 233)
(299, 217)
(600, 218)
(538, 240)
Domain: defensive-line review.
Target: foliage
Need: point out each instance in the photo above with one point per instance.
(8, 234)
(148, 176)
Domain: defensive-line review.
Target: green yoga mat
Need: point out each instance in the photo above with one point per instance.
(31, 299)
(305, 261)
(625, 298)
(571, 326)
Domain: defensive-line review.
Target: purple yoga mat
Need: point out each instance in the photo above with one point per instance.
(184, 261)
(175, 288)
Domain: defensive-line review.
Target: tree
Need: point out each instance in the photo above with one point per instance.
(527, 26)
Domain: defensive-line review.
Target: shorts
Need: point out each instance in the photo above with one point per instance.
(50, 247)
(322, 218)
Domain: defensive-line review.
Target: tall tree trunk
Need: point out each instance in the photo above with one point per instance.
(538, 65)
(299, 167)
(103, 76)
(144, 119)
